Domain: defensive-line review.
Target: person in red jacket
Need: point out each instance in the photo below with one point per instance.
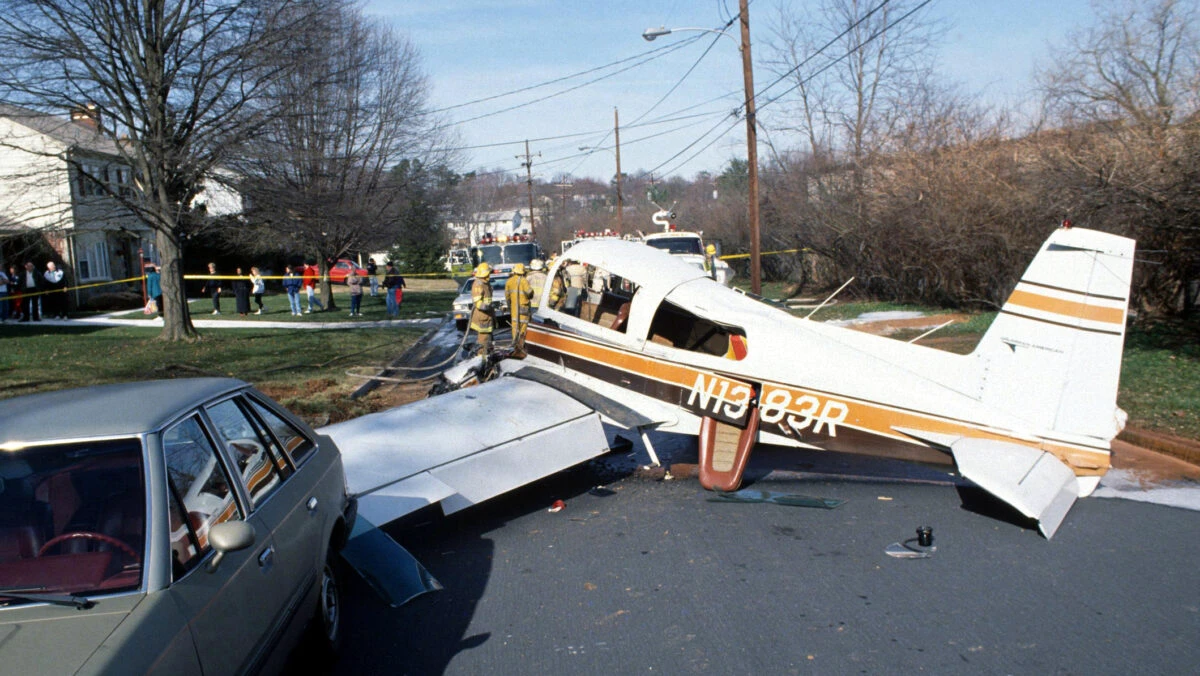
(311, 273)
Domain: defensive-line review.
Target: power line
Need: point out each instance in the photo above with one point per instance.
(550, 82)
(568, 89)
(802, 82)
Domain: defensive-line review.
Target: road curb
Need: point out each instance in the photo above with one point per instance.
(1183, 449)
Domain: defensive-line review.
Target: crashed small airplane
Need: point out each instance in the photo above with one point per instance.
(651, 342)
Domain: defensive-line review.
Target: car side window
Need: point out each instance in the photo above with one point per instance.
(250, 449)
(297, 445)
(201, 493)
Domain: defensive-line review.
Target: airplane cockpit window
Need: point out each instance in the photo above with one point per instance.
(675, 327)
(593, 294)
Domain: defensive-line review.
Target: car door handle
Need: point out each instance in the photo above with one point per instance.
(312, 503)
(266, 558)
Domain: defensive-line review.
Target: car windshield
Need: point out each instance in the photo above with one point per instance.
(677, 245)
(72, 519)
(497, 284)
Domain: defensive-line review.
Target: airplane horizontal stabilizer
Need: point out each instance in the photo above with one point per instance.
(463, 447)
(395, 574)
(1033, 481)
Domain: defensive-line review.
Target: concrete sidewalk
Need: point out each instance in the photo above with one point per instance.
(114, 319)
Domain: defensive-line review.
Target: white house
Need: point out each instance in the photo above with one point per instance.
(53, 173)
(496, 223)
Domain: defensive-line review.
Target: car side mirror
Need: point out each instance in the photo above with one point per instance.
(228, 536)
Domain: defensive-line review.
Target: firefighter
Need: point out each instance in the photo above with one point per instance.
(518, 294)
(483, 315)
(710, 260)
(537, 281)
(558, 293)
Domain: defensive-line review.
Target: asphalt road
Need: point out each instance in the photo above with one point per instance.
(648, 576)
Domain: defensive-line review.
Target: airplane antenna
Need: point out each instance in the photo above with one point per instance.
(936, 328)
(826, 301)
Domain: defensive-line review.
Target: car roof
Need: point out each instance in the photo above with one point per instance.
(122, 409)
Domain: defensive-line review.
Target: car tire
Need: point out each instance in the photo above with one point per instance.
(325, 628)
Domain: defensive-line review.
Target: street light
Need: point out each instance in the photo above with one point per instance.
(751, 132)
(650, 33)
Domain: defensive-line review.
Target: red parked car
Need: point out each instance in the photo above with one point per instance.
(343, 268)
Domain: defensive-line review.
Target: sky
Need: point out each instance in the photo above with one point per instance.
(486, 49)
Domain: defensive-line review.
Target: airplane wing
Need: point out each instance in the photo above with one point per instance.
(463, 447)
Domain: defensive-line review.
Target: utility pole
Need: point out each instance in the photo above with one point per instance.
(620, 206)
(751, 151)
(528, 164)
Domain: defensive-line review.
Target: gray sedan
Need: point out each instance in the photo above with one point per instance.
(176, 527)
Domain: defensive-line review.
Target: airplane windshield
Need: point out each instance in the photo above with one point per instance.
(677, 245)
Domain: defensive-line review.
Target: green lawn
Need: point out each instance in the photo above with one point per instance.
(1160, 379)
(304, 369)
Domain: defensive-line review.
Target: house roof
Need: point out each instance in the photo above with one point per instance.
(61, 129)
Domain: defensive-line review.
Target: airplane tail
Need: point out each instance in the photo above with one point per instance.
(1052, 357)
(1052, 360)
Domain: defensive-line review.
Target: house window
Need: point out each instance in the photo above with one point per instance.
(149, 249)
(93, 259)
(91, 179)
(122, 183)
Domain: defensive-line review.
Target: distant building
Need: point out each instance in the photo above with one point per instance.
(57, 176)
(495, 223)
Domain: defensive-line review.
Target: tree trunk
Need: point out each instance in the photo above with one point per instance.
(326, 285)
(177, 320)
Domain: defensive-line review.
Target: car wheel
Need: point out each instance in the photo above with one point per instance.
(326, 625)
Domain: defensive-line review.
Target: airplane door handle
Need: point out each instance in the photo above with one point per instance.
(266, 558)
(312, 503)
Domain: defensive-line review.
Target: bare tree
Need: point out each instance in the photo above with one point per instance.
(1125, 94)
(1139, 64)
(854, 68)
(173, 81)
(353, 108)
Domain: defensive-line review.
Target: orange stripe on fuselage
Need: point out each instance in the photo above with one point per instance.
(869, 417)
(1067, 308)
(668, 372)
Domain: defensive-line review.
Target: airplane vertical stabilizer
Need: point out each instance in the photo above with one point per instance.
(1052, 358)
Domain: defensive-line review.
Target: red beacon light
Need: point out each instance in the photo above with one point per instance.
(1066, 224)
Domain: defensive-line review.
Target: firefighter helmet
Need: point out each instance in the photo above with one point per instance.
(519, 269)
(483, 271)
(536, 264)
